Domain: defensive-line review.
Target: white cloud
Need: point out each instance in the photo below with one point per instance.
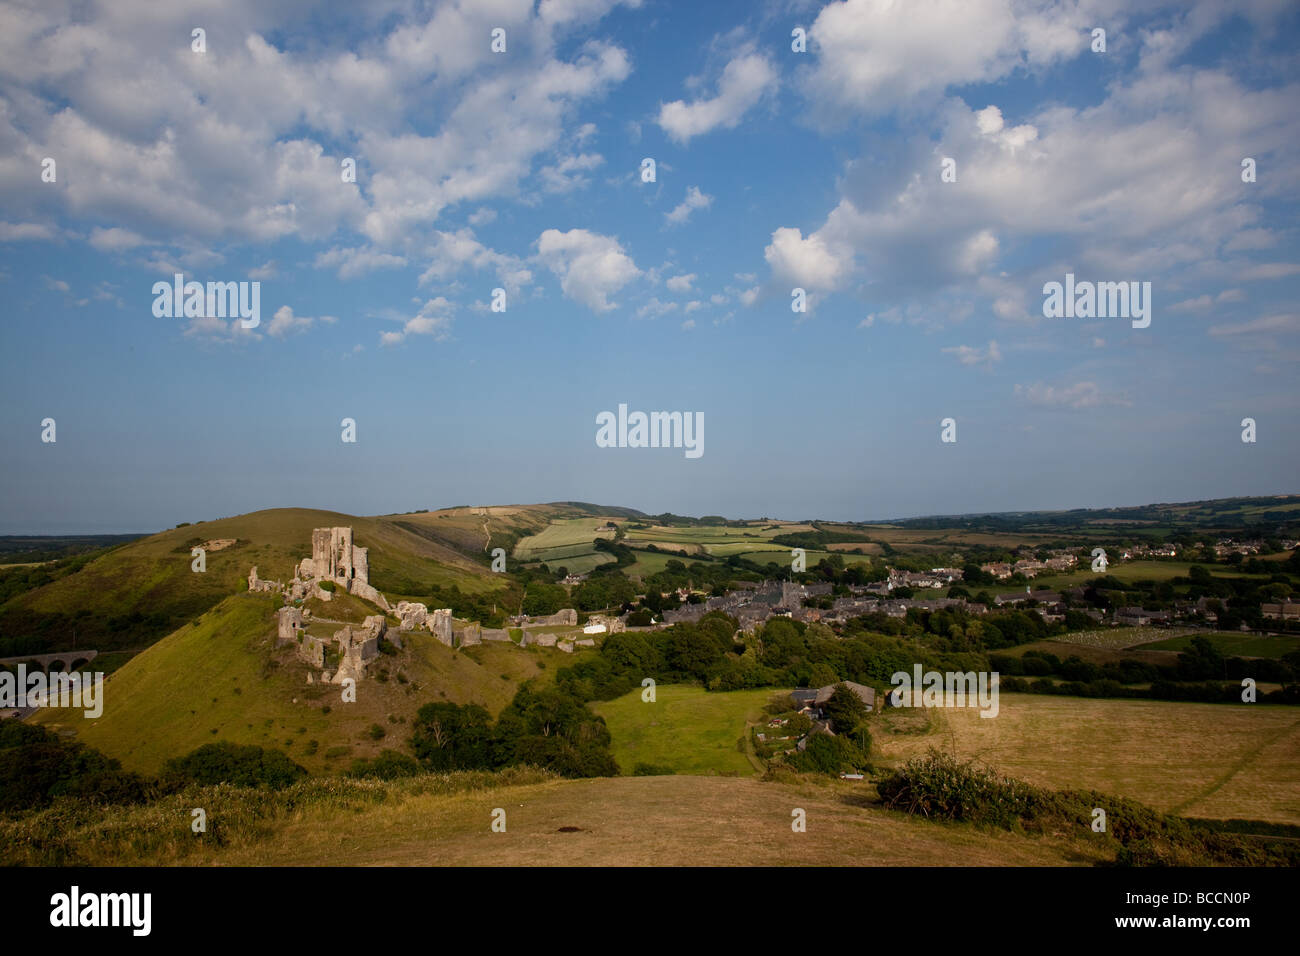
(655, 308)
(450, 252)
(875, 55)
(284, 322)
(355, 262)
(591, 267)
(681, 283)
(1283, 322)
(115, 239)
(810, 263)
(973, 355)
(433, 319)
(694, 200)
(567, 175)
(24, 231)
(268, 270)
(1078, 395)
(746, 79)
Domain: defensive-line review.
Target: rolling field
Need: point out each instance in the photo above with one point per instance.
(1202, 760)
(687, 728)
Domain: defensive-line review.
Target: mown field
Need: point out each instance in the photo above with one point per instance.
(1202, 760)
(687, 729)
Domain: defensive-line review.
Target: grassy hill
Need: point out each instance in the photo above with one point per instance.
(130, 596)
(610, 821)
(221, 678)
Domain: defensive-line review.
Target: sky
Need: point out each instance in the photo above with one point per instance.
(795, 145)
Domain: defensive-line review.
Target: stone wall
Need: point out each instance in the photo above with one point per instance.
(567, 617)
(257, 584)
(289, 625)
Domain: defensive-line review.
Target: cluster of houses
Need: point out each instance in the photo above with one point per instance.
(1030, 566)
(1226, 546)
(811, 702)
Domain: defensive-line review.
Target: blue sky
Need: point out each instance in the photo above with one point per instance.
(521, 170)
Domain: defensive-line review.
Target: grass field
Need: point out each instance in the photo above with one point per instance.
(1236, 645)
(611, 821)
(687, 728)
(1116, 638)
(561, 538)
(1128, 571)
(1202, 760)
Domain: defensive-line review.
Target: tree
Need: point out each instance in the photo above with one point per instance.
(845, 710)
(451, 737)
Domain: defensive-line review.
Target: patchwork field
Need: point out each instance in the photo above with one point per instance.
(1201, 760)
(686, 729)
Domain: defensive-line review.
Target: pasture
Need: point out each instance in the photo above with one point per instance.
(687, 728)
(1203, 760)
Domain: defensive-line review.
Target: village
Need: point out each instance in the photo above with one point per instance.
(336, 563)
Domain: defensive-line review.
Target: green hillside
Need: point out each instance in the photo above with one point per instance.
(221, 678)
(130, 596)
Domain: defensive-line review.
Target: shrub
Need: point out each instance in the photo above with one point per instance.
(389, 765)
(242, 765)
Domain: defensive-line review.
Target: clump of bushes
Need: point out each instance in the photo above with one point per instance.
(941, 787)
(238, 764)
(37, 766)
(389, 765)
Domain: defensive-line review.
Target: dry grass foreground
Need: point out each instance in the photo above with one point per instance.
(621, 821)
(1198, 760)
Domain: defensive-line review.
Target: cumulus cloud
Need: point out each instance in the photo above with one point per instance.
(810, 262)
(973, 355)
(232, 146)
(694, 200)
(745, 80)
(433, 319)
(680, 283)
(450, 252)
(25, 231)
(285, 323)
(875, 55)
(357, 261)
(115, 239)
(591, 267)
